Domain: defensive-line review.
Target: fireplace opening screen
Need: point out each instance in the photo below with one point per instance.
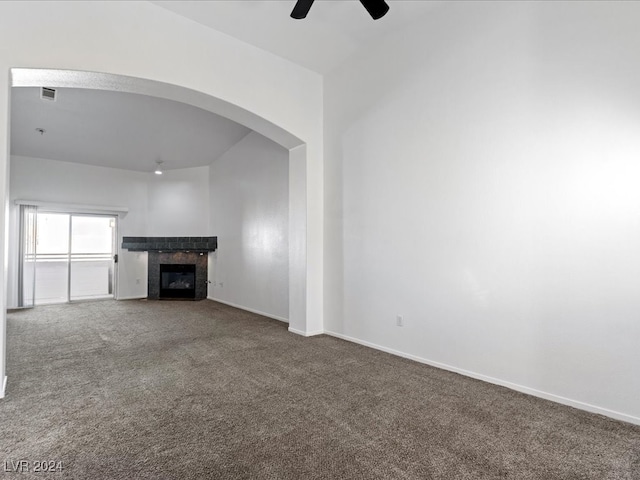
(177, 281)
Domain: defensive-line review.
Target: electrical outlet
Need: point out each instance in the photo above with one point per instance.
(399, 320)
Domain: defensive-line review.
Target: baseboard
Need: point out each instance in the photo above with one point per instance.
(496, 381)
(132, 298)
(252, 310)
(305, 334)
(4, 387)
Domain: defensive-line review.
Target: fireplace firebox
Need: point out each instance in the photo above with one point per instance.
(177, 281)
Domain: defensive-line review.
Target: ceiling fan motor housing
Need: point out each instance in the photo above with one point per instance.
(376, 8)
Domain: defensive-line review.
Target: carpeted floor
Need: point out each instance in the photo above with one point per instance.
(192, 390)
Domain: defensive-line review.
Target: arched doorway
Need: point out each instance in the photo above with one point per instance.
(26, 77)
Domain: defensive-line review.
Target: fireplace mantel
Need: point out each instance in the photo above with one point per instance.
(170, 244)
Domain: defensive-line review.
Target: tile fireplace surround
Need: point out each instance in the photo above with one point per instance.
(172, 251)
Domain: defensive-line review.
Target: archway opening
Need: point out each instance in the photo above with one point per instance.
(24, 77)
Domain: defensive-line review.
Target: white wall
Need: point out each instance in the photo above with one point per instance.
(179, 203)
(250, 215)
(482, 181)
(5, 109)
(144, 41)
(173, 204)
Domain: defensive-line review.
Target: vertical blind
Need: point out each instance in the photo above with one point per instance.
(27, 266)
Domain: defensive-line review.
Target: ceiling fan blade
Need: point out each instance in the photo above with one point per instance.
(301, 9)
(376, 8)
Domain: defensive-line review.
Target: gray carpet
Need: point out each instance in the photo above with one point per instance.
(164, 390)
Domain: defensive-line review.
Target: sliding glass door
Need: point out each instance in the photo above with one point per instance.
(52, 258)
(74, 257)
(92, 257)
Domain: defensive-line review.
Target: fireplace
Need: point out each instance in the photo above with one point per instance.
(177, 275)
(177, 280)
(175, 254)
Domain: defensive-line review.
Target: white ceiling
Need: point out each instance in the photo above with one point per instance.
(118, 130)
(123, 130)
(332, 32)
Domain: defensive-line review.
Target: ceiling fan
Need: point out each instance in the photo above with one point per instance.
(376, 8)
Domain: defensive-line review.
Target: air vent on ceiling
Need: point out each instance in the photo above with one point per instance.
(48, 94)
